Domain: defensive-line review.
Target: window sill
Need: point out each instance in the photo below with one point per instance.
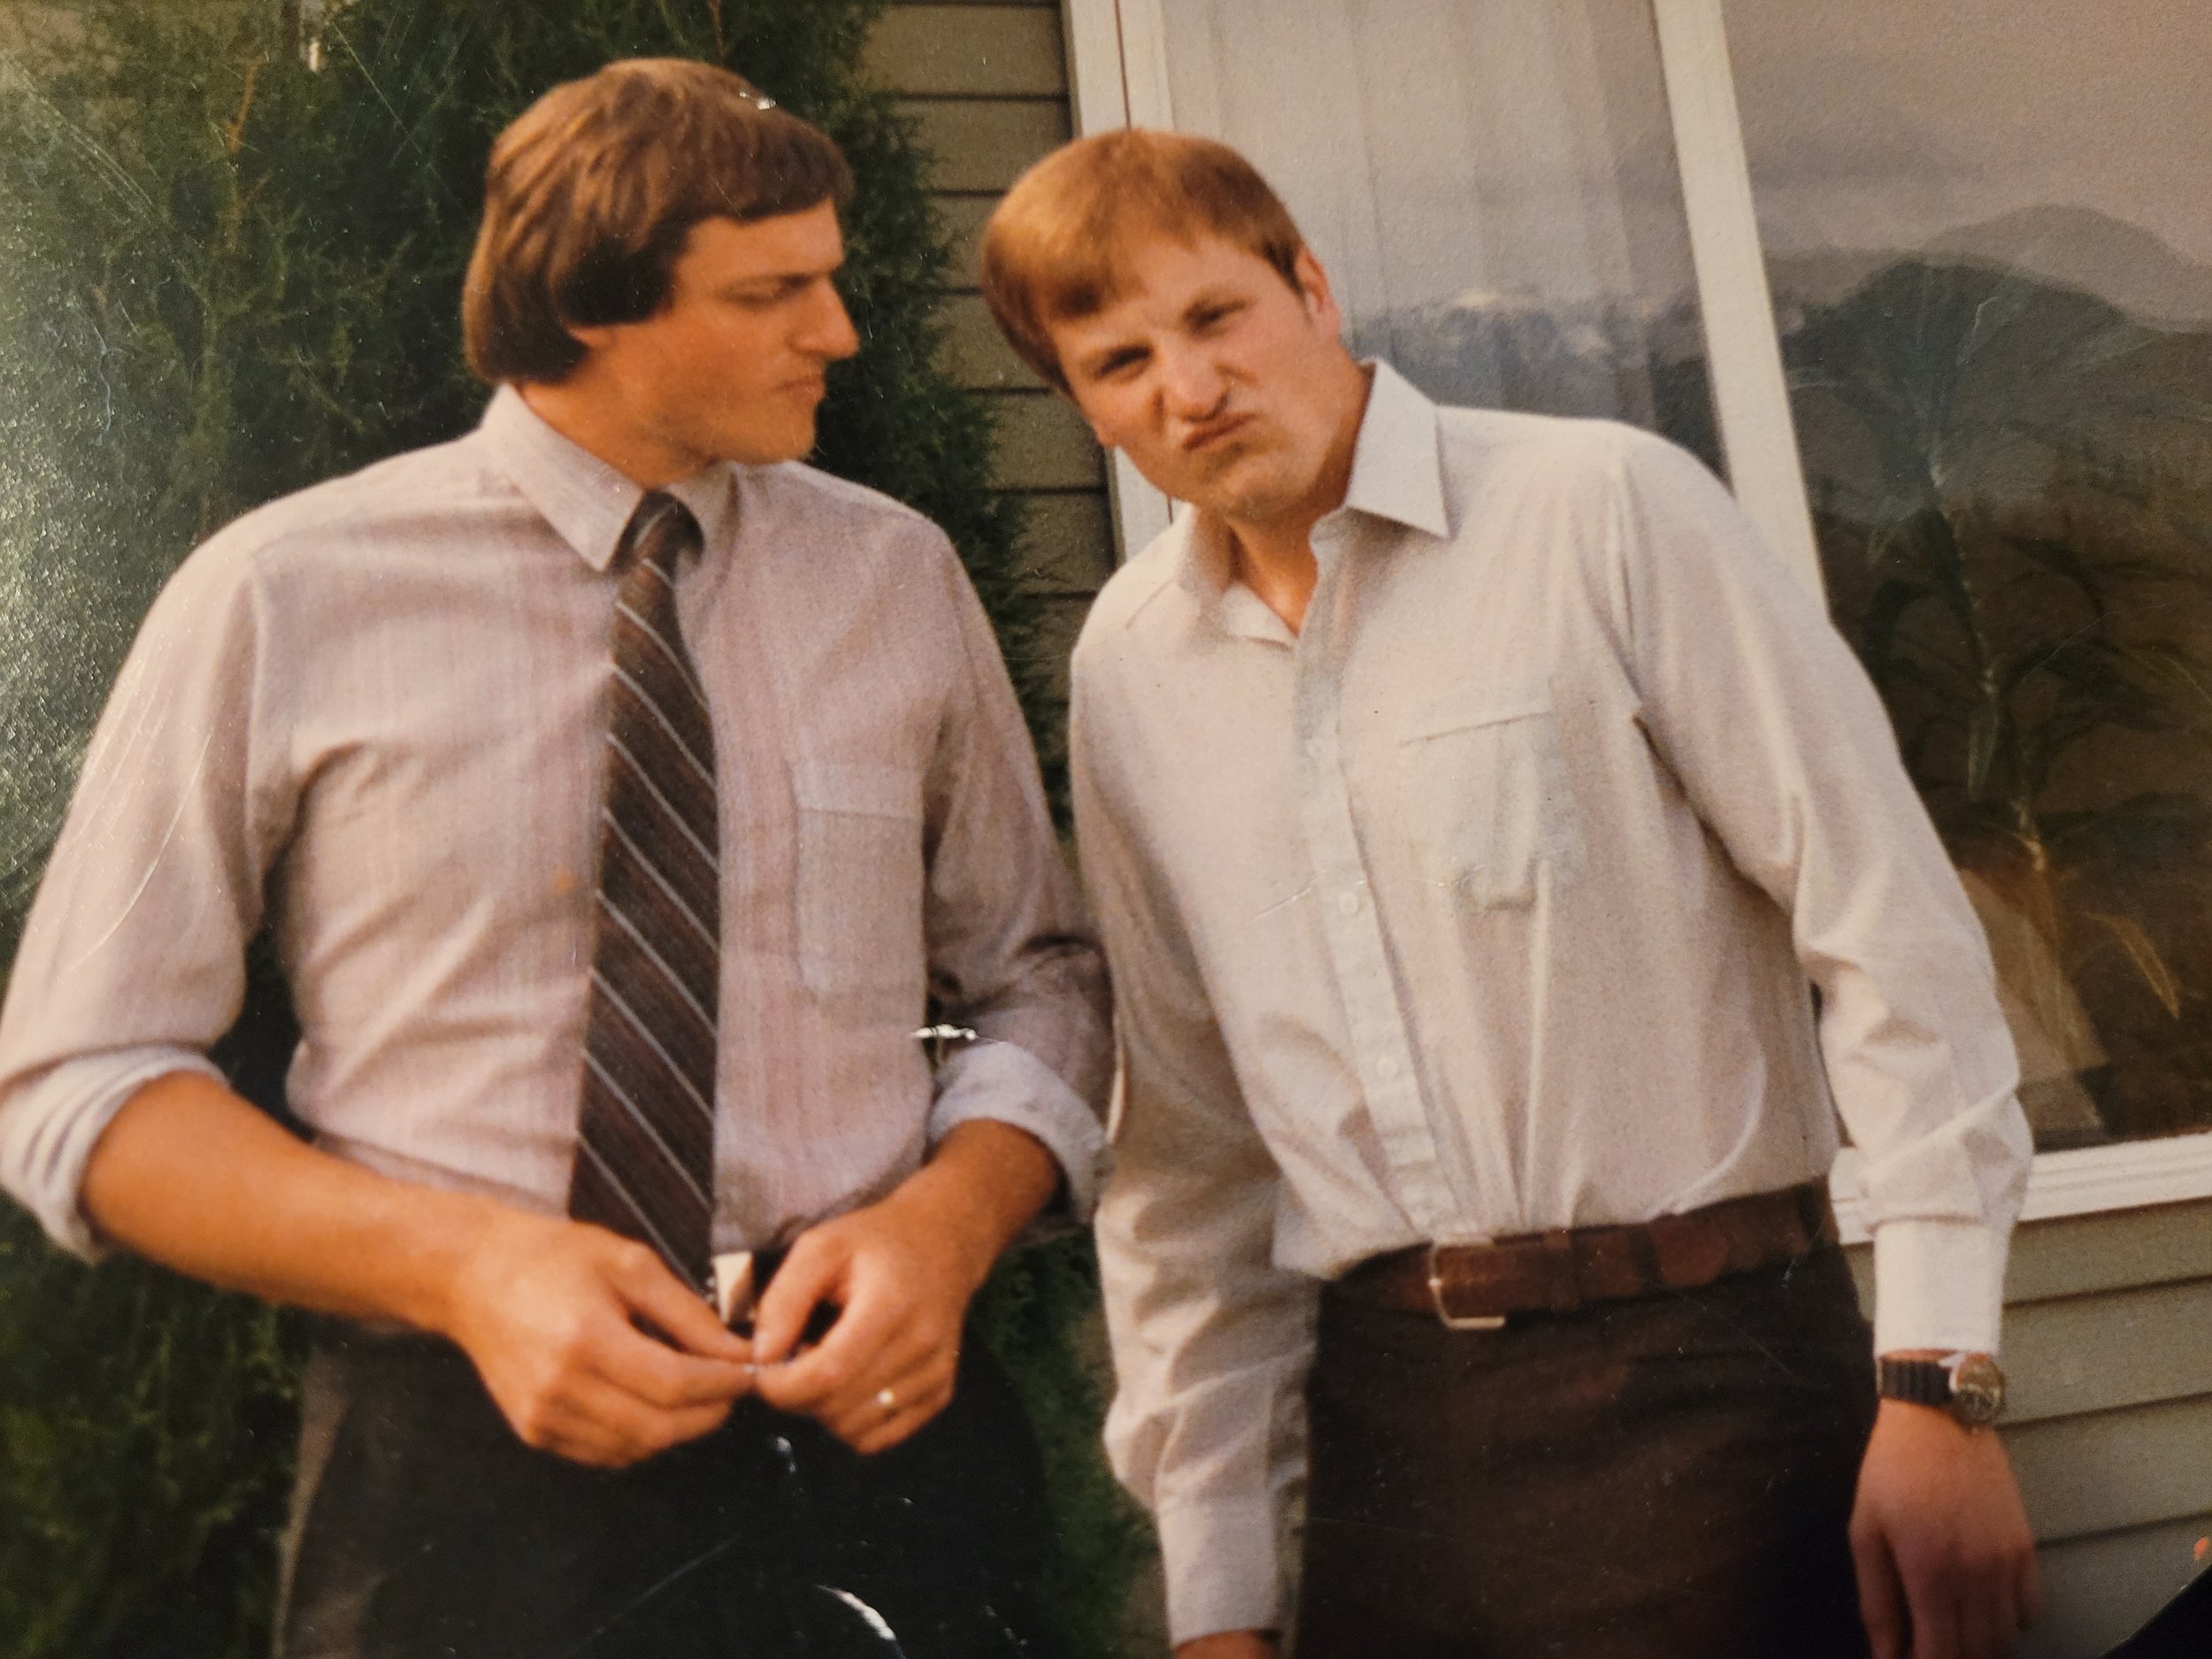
(2128, 1175)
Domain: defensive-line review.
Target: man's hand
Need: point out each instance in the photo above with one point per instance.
(548, 1308)
(591, 1347)
(901, 1272)
(1231, 1644)
(1946, 1562)
(901, 1284)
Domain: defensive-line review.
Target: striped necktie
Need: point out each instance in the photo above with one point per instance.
(645, 1135)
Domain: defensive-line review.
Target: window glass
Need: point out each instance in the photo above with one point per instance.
(1989, 239)
(1491, 185)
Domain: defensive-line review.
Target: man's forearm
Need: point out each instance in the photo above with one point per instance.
(984, 1182)
(554, 1314)
(198, 1180)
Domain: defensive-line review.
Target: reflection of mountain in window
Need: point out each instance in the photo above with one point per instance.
(1994, 289)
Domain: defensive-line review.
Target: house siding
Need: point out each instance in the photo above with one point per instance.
(987, 87)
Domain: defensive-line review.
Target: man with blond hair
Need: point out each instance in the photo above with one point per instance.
(618, 793)
(1466, 799)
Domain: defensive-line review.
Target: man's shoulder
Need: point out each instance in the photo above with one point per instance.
(385, 496)
(1111, 630)
(809, 495)
(1574, 447)
(1592, 481)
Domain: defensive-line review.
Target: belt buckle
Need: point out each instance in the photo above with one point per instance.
(1451, 1321)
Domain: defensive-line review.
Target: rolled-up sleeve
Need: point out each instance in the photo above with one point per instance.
(1759, 708)
(1211, 1339)
(1009, 954)
(132, 960)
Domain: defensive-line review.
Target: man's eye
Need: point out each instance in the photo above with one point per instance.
(772, 294)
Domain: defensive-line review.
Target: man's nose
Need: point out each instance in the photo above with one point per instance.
(1191, 381)
(829, 333)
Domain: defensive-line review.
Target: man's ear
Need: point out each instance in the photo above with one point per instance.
(1313, 288)
(1064, 390)
(592, 336)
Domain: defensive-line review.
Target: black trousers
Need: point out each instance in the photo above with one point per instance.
(1665, 1479)
(423, 1529)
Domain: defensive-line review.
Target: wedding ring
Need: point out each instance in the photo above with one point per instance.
(888, 1401)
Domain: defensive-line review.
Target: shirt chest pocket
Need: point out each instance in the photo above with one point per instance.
(1486, 793)
(859, 889)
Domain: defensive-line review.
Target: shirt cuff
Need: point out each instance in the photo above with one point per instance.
(1009, 1085)
(1938, 1284)
(48, 1130)
(1221, 1569)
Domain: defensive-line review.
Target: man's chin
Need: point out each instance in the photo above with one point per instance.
(1260, 500)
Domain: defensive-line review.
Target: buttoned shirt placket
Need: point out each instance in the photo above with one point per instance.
(1359, 953)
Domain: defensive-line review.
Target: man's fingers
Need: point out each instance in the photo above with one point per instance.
(1881, 1595)
(593, 1421)
(869, 1344)
(1992, 1617)
(811, 1275)
(2009, 1597)
(1933, 1610)
(643, 1282)
(1982, 1617)
(860, 1416)
(852, 1363)
(666, 1378)
(915, 1411)
(2028, 1589)
(916, 1399)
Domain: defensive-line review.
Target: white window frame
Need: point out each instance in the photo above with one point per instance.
(1118, 76)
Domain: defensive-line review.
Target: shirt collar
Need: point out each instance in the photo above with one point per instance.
(587, 501)
(1397, 471)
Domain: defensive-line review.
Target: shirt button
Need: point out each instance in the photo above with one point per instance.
(1316, 748)
(1348, 902)
(1386, 1069)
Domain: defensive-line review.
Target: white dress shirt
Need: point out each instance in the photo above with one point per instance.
(1487, 903)
(371, 716)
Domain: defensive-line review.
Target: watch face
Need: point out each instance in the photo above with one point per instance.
(1977, 1391)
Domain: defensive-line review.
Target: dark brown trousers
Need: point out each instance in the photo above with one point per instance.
(1664, 1478)
(425, 1530)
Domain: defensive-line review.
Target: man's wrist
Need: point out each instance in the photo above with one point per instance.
(458, 1251)
(983, 1184)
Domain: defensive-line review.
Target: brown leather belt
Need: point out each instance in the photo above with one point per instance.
(1478, 1285)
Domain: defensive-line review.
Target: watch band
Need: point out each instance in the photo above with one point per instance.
(1924, 1382)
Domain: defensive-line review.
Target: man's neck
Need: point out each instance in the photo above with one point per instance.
(1277, 563)
(591, 417)
(1273, 554)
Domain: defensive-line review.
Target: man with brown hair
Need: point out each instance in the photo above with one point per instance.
(1466, 800)
(618, 793)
